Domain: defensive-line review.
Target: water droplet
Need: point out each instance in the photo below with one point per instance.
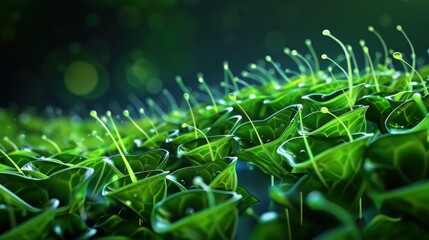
(128, 203)
(135, 195)
(302, 151)
(282, 125)
(217, 173)
(268, 140)
(189, 211)
(183, 182)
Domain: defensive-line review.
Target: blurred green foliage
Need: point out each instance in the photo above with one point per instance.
(137, 47)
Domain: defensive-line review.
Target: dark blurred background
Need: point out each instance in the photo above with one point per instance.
(96, 53)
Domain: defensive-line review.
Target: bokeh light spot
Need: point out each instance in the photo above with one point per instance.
(191, 2)
(136, 54)
(385, 20)
(81, 78)
(8, 34)
(140, 72)
(92, 20)
(75, 48)
(154, 85)
(129, 17)
(156, 21)
(15, 16)
(275, 41)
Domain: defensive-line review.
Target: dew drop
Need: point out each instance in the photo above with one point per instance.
(183, 182)
(302, 151)
(189, 211)
(282, 125)
(217, 173)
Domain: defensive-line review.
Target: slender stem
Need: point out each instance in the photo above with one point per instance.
(413, 53)
(201, 80)
(12, 144)
(383, 43)
(342, 89)
(186, 97)
(288, 224)
(295, 53)
(109, 115)
(231, 76)
(313, 54)
(142, 112)
(124, 159)
(127, 115)
(277, 67)
(310, 153)
(326, 110)
(366, 51)
(347, 55)
(13, 163)
(352, 55)
(360, 208)
(398, 56)
(170, 98)
(184, 125)
(301, 210)
(54, 144)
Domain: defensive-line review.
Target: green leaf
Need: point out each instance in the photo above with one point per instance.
(321, 124)
(189, 215)
(120, 228)
(35, 228)
(329, 87)
(394, 161)
(273, 130)
(9, 198)
(409, 200)
(335, 157)
(19, 157)
(140, 196)
(70, 156)
(408, 117)
(71, 226)
(45, 166)
(334, 101)
(247, 200)
(30, 190)
(149, 160)
(284, 98)
(154, 142)
(219, 174)
(197, 151)
(378, 109)
(385, 227)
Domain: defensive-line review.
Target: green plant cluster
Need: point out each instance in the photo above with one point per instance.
(347, 152)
